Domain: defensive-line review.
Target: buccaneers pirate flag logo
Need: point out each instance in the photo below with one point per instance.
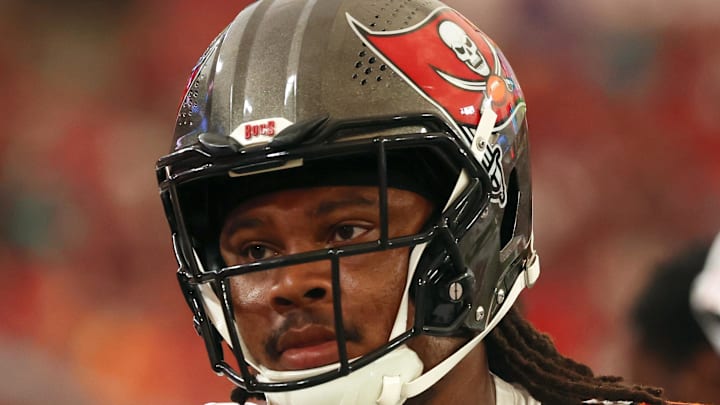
(450, 62)
(458, 68)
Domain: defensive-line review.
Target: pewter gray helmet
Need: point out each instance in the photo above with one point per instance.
(401, 89)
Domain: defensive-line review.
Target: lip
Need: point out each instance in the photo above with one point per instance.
(307, 347)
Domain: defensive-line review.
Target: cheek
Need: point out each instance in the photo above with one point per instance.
(372, 286)
(251, 309)
(250, 291)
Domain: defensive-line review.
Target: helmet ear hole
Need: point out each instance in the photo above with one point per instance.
(509, 220)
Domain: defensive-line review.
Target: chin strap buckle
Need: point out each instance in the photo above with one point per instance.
(391, 391)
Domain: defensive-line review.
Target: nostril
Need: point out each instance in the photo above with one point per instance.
(282, 302)
(315, 293)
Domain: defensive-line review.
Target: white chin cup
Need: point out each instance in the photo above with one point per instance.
(379, 382)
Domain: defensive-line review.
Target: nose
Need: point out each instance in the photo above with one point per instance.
(301, 286)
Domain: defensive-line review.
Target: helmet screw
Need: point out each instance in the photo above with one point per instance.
(480, 143)
(500, 296)
(479, 313)
(455, 291)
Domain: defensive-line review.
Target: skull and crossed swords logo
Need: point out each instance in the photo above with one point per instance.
(468, 52)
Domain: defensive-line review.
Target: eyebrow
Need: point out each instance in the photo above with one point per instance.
(327, 207)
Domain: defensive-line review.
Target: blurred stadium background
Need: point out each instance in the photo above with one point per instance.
(624, 110)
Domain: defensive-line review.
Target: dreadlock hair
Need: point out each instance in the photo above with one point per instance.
(518, 353)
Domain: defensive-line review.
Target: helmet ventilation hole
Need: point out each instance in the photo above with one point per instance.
(185, 117)
(368, 68)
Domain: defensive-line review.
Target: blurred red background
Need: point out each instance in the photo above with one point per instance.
(623, 109)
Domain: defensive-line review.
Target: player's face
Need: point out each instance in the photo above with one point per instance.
(285, 315)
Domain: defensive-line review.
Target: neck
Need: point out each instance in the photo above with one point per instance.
(469, 382)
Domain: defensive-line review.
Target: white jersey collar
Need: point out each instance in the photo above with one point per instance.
(511, 394)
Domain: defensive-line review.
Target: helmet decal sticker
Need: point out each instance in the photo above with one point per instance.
(259, 131)
(450, 62)
(464, 47)
(492, 163)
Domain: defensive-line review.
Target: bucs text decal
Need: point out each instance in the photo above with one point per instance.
(450, 62)
(259, 131)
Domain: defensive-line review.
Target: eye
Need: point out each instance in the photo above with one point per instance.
(345, 233)
(257, 252)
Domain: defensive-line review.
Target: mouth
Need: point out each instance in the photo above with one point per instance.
(307, 347)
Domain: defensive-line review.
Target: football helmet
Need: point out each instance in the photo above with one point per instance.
(400, 93)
